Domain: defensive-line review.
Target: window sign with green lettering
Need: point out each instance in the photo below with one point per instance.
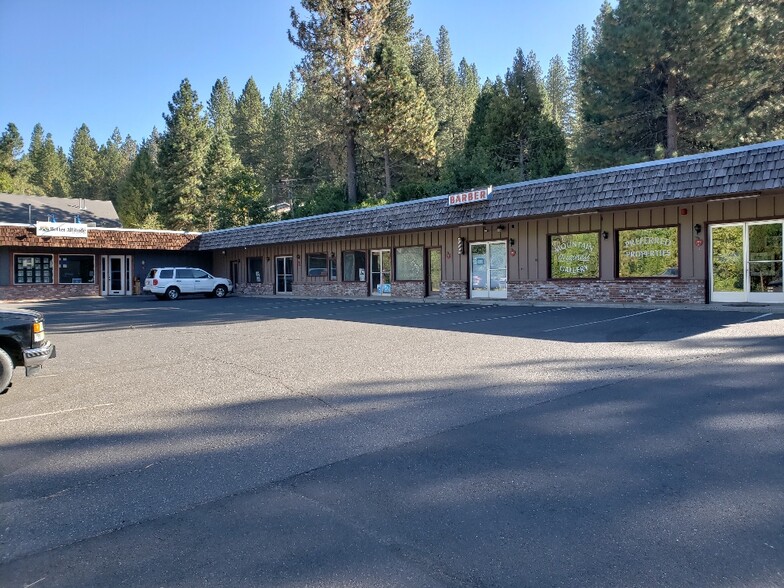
(574, 256)
(648, 253)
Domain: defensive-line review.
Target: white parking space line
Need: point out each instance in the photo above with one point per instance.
(617, 318)
(509, 316)
(754, 318)
(43, 414)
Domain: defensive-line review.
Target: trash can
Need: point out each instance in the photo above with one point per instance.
(137, 286)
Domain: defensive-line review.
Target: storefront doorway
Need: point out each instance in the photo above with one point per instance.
(284, 274)
(381, 272)
(116, 271)
(434, 271)
(488, 269)
(746, 262)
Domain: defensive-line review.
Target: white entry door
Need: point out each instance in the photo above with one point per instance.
(746, 262)
(488, 269)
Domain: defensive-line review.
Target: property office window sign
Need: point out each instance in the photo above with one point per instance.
(34, 269)
(76, 230)
(410, 263)
(76, 269)
(648, 253)
(574, 256)
(354, 264)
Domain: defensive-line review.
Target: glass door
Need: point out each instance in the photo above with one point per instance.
(765, 261)
(434, 271)
(488, 269)
(284, 274)
(381, 272)
(746, 262)
(116, 275)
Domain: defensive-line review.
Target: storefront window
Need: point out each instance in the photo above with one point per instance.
(410, 263)
(574, 256)
(76, 269)
(354, 266)
(33, 269)
(317, 265)
(255, 270)
(648, 253)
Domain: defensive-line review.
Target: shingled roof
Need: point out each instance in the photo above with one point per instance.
(741, 170)
(22, 208)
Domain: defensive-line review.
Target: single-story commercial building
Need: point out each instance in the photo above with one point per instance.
(697, 229)
(64, 247)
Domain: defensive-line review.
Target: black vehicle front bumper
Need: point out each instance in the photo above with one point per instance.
(35, 357)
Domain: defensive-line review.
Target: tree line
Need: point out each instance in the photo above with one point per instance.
(376, 112)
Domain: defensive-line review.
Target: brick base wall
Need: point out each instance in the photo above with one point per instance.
(618, 291)
(408, 289)
(48, 291)
(332, 289)
(454, 290)
(254, 289)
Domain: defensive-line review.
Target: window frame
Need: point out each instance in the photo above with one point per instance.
(363, 267)
(251, 272)
(323, 271)
(34, 255)
(575, 277)
(396, 276)
(71, 256)
(618, 253)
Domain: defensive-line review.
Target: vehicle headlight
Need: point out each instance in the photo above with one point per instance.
(38, 332)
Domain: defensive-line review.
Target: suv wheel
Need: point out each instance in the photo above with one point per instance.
(6, 370)
(220, 291)
(172, 293)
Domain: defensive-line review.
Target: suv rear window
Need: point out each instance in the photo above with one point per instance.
(166, 274)
(152, 273)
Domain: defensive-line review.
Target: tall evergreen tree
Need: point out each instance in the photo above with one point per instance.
(249, 123)
(49, 165)
(84, 172)
(11, 148)
(222, 107)
(281, 143)
(400, 117)
(181, 156)
(114, 162)
(557, 88)
(581, 43)
(338, 38)
(139, 190)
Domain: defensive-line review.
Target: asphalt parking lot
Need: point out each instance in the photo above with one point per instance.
(300, 442)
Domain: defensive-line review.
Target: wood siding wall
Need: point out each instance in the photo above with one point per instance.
(530, 259)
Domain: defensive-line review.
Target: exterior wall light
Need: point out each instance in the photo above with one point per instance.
(605, 235)
(698, 228)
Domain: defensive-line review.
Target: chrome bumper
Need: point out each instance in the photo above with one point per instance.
(34, 358)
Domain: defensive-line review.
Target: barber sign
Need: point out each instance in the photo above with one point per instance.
(469, 197)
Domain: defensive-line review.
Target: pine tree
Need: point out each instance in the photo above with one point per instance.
(49, 165)
(84, 172)
(114, 161)
(220, 165)
(282, 139)
(222, 107)
(249, 123)
(11, 148)
(450, 134)
(557, 88)
(181, 156)
(580, 47)
(338, 39)
(139, 190)
(401, 119)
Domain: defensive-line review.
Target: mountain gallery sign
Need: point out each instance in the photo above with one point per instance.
(472, 196)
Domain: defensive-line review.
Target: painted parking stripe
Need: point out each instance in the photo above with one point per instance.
(43, 414)
(617, 318)
(509, 316)
(754, 318)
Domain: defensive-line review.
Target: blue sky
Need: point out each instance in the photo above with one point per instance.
(116, 63)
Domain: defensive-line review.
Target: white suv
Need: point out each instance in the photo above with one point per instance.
(172, 282)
